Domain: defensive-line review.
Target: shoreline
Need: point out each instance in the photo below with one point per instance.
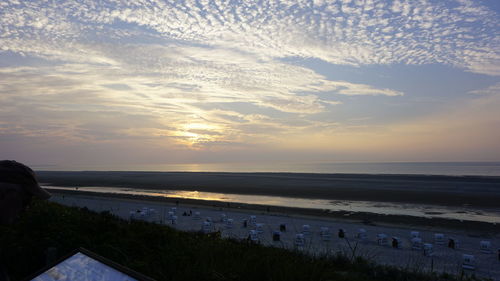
(429, 190)
(473, 228)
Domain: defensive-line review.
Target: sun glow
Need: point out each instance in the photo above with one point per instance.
(197, 133)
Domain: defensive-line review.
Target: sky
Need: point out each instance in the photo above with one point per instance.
(200, 81)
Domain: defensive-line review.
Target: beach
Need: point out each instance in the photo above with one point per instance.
(478, 191)
(444, 259)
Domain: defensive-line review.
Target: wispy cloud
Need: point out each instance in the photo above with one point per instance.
(217, 72)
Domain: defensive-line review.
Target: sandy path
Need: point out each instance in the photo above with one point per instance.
(444, 259)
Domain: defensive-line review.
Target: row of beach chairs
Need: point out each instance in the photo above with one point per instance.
(257, 229)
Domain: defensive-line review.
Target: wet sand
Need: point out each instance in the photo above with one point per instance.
(475, 191)
(444, 259)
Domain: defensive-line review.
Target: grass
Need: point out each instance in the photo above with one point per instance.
(164, 253)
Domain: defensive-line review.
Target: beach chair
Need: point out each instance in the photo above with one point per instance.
(396, 242)
(361, 234)
(382, 239)
(468, 262)
(414, 234)
(324, 233)
(253, 220)
(306, 229)
(206, 227)
(485, 247)
(416, 243)
(259, 227)
(276, 236)
(170, 215)
(229, 223)
(174, 210)
(173, 220)
(439, 239)
(196, 216)
(299, 240)
(253, 236)
(223, 218)
(428, 250)
(283, 227)
(341, 233)
(453, 243)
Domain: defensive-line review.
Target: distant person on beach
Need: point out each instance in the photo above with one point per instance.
(18, 185)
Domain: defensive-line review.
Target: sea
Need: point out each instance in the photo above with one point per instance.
(407, 168)
(463, 213)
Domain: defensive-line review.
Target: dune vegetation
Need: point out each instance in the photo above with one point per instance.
(163, 253)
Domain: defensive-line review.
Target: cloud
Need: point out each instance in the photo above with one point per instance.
(491, 90)
(113, 70)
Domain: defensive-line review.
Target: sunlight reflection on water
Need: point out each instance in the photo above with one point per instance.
(429, 211)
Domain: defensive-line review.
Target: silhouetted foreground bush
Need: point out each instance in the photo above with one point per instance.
(167, 254)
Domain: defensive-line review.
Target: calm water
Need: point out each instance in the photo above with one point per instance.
(460, 213)
(427, 168)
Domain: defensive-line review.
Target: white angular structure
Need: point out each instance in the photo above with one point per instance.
(324, 233)
(485, 247)
(416, 243)
(300, 240)
(223, 218)
(428, 250)
(306, 229)
(382, 239)
(439, 239)
(253, 236)
(362, 234)
(229, 223)
(253, 220)
(468, 262)
(173, 220)
(259, 227)
(206, 227)
(196, 216)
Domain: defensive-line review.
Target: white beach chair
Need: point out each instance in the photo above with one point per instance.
(324, 233)
(253, 236)
(253, 220)
(468, 262)
(229, 223)
(259, 227)
(223, 217)
(416, 243)
(196, 216)
(382, 239)
(206, 227)
(414, 234)
(170, 215)
(428, 250)
(362, 234)
(439, 239)
(173, 220)
(174, 210)
(485, 247)
(306, 229)
(299, 240)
